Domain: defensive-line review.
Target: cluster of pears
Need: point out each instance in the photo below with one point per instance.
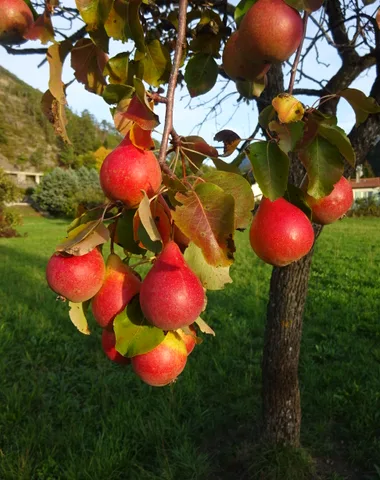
(171, 296)
(15, 21)
(270, 32)
(281, 233)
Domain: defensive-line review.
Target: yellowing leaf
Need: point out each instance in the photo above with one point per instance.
(84, 238)
(361, 104)
(206, 216)
(157, 63)
(78, 316)
(56, 56)
(212, 278)
(203, 327)
(230, 139)
(147, 219)
(117, 68)
(42, 29)
(56, 114)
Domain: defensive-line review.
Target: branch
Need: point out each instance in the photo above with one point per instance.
(298, 54)
(307, 91)
(173, 80)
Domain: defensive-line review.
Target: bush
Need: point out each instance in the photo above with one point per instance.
(62, 191)
(8, 193)
(366, 207)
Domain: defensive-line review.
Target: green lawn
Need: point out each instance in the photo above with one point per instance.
(67, 412)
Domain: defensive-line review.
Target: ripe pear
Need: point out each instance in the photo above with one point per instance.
(126, 171)
(108, 345)
(189, 339)
(332, 207)
(77, 278)
(171, 295)
(270, 31)
(119, 287)
(241, 66)
(15, 20)
(164, 363)
(288, 108)
(280, 232)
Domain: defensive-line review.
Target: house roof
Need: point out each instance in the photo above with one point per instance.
(366, 183)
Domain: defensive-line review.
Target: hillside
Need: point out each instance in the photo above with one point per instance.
(27, 140)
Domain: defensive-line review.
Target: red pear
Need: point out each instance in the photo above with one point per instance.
(15, 20)
(76, 278)
(189, 339)
(240, 66)
(108, 345)
(280, 232)
(126, 171)
(329, 209)
(119, 287)
(164, 363)
(270, 31)
(171, 294)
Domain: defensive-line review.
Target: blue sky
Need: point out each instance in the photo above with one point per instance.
(188, 114)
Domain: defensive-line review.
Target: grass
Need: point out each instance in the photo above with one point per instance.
(69, 413)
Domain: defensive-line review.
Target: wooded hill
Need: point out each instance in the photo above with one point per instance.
(27, 140)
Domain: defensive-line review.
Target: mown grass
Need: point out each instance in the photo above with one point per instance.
(67, 412)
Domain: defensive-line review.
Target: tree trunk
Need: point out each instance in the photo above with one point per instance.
(281, 396)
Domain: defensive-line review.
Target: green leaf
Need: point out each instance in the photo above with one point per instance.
(266, 116)
(124, 233)
(224, 166)
(157, 64)
(134, 335)
(337, 137)
(212, 278)
(114, 93)
(147, 221)
(84, 238)
(270, 168)
(297, 197)
(324, 166)
(94, 13)
(117, 68)
(289, 134)
(308, 5)
(361, 104)
(206, 216)
(136, 29)
(240, 189)
(77, 315)
(201, 74)
(117, 25)
(241, 9)
(86, 217)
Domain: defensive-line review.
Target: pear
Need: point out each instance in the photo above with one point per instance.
(171, 294)
(119, 287)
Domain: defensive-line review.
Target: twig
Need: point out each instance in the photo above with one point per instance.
(298, 54)
(173, 80)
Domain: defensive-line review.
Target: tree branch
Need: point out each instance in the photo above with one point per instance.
(173, 80)
(298, 54)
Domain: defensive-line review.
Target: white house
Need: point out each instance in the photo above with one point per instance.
(365, 187)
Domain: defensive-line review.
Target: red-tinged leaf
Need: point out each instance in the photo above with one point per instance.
(42, 29)
(206, 216)
(270, 168)
(122, 122)
(212, 278)
(324, 166)
(203, 327)
(141, 138)
(84, 238)
(289, 134)
(157, 63)
(77, 315)
(230, 140)
(56, 55)
(134, 334)
(88, 62)
(117, 69)
(201, 74)
(56, 114)
(362, 105)
(116, 24)
(140, 110)
(196, 149)
(337, 137)
(240, 189)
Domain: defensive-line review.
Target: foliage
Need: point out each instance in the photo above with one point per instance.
(8, 193)
(61, 192)
(366, 207)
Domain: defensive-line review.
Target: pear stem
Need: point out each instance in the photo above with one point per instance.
(298, 54)
(173, 82)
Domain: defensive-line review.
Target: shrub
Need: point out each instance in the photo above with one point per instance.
(8, 193)
(366, 207)
(62, 191)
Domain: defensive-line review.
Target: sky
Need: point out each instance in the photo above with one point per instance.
(188, 114)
